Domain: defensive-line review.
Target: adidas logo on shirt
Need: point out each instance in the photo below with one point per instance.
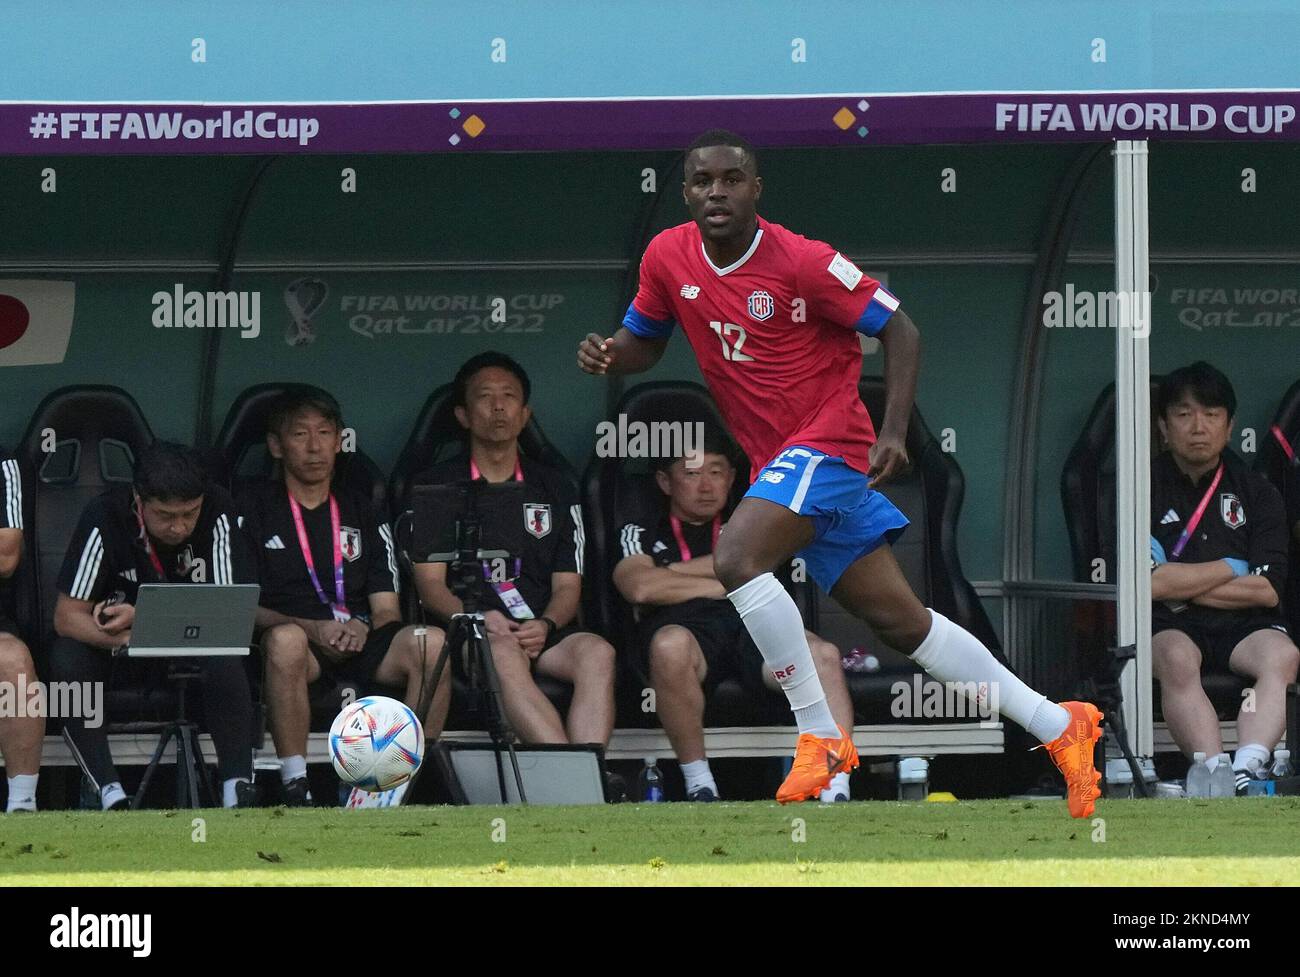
(659, 546)
(1169, 517)
(275, 543)
(128, 575)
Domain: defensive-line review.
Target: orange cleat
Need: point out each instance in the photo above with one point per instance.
(1073, 753)
(816, 761)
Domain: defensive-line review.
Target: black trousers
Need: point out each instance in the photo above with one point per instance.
(227, 704)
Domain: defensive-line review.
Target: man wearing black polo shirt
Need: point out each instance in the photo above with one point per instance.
(531, 618)
(170, 526)
(328, 572)
(21, 735)
(1218, 556)
(689, 634)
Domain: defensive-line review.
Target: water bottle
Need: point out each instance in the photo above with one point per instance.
(1223, 781)
(1282, 765)
(1198, 777)
(650, 783)
(913, 778)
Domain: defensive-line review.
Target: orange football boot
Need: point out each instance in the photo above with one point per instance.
(1073, 753)
(816, 761)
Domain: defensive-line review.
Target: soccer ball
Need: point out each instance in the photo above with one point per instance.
(376, 743)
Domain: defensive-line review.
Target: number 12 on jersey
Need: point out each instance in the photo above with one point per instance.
(731, 351)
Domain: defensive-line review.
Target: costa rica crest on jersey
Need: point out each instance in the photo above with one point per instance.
(761, 306)
(1234, 516)
(537, 518)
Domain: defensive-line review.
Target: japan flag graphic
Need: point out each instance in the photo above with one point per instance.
(35, 321)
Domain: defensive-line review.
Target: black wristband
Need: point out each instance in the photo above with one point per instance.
(552, 627)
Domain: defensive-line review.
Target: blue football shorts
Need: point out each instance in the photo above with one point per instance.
(850, 519)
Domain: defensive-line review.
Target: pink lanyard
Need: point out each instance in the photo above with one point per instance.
(339, 607)
(1196, 516)
(475, 474)
(148, 547)
(682, 548)
(1286, 445)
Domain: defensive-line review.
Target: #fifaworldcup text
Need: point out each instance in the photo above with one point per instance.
(172, 125)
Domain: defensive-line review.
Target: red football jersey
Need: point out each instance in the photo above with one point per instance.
(775, 334)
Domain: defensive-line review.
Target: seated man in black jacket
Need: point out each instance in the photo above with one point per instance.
(1218, 555)
(532, 618)
(171, 526)
(328, 571)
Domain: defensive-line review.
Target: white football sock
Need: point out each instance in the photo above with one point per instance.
(22, 792)
(110, 794)
(228, 796)
(952, 654)
(1212, 762)
(772, 619)
(292, 767)
(839, 785)
(1256, 753)
(698, 774)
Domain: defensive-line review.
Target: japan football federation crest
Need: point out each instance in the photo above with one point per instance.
(1234, 516)
(761, 306)
(350, 540)
(537, 518)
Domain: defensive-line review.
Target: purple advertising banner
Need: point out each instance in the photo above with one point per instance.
(44, 129)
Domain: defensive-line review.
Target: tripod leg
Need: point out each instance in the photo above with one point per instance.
(187, 789)
(205, 779)
(427, 694)
(152, 767)
(500, 726)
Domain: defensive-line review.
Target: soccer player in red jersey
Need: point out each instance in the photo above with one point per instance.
(774, 318)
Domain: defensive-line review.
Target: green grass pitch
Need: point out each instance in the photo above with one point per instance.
(1155, 842)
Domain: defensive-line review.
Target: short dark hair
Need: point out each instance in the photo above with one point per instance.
(169, 472)
(1208, 385)
(725, 137)
(716, 442)
(297, 400)
(481, 361)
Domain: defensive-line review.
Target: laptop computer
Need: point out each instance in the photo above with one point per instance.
(175, 620)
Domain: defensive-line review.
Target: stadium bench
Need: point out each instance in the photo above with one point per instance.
(135, 749)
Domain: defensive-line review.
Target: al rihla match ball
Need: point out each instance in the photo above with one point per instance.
(376, 743)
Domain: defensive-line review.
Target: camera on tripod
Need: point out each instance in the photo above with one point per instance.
(449, 525)
(450, 522)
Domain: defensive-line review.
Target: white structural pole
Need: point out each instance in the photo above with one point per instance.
(1133, 437)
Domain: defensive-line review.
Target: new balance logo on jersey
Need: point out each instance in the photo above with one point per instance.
(1169, 517)
(690, 291)
(274, 543)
